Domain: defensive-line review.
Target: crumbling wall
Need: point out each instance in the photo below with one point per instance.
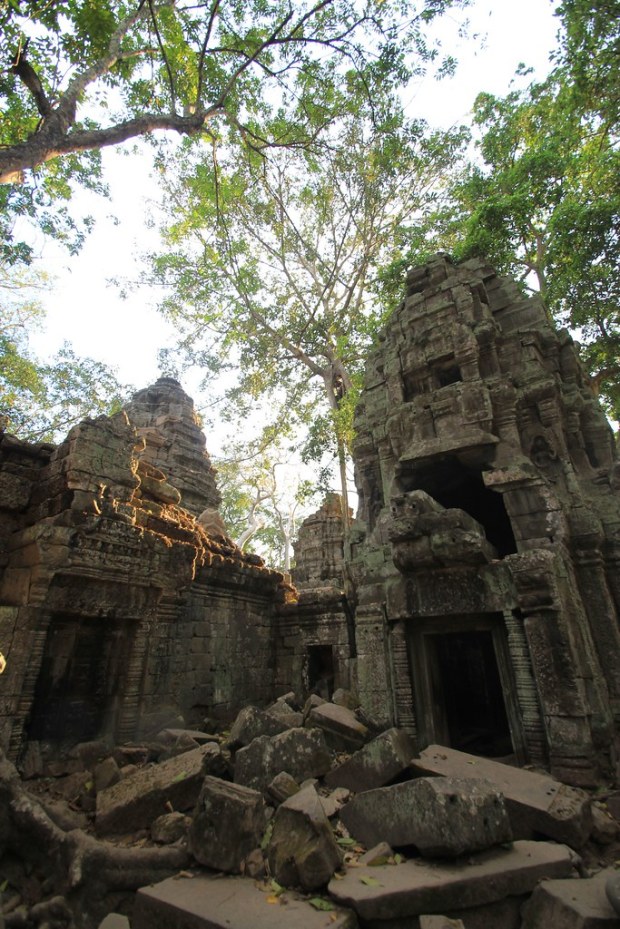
(119, 611)
(486, 477)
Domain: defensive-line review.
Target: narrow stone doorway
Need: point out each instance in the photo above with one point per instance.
(321, 670)
(463, 686)
(80, 681)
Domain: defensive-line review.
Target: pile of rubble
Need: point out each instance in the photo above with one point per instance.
(298, 817)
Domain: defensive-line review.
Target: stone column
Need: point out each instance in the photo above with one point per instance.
(558, 666)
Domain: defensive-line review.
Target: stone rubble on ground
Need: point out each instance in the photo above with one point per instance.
(302, 835)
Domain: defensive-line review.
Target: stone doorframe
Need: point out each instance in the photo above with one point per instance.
(417, 632)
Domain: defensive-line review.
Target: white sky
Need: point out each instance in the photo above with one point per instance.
(86, 310)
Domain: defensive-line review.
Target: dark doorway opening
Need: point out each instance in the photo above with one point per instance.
(468, 692)
(456, 486)
(321, 670)
(80, 680)
(463, 683)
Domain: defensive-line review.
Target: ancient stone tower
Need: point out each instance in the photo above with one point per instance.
(487, 554)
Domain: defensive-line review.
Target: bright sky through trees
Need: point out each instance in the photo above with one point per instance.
(84, 308)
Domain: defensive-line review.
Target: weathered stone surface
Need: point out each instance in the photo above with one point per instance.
(170, 827)
(300, 752)
(115, 921)
(442, 817)
(137, 800)
(536, 803)
(252, 722)
(106, 773)
(605, 828)
(334, 801)
(342, 697)
(319, 555)
(375, 764)
(612, 890)
(485, 474)
(440, 922)
(341, 726)
(282, 787)
(227, 824)
(164, 417)
(302, 850)
(227, 903)
(415, 887)
(173, 735)
(571, 904)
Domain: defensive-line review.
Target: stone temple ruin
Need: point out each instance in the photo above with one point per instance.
(474, 604)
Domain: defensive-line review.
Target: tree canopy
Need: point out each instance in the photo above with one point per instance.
(78, 76)
(271, 263)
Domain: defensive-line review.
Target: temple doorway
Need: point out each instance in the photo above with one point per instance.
(463, 686)
(81, 680)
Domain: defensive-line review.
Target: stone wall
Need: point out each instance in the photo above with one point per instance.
(118, 611)
(490, 528)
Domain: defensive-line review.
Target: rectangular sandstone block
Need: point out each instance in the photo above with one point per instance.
(536, 803)
(418, 887)
(134, 802)
(205, 902)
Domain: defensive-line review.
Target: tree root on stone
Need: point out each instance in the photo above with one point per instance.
(78, 864)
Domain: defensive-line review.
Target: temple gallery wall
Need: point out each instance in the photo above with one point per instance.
(475, 602)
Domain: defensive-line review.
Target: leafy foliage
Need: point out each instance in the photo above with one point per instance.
(81, 76)
(264, 499)
(41, 401)
(272, 264)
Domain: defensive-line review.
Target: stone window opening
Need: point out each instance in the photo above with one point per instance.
(446, 372)
(456, 486)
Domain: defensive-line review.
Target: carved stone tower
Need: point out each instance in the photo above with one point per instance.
(487, 568)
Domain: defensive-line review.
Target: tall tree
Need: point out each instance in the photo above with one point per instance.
(79, 76)
(264, 499)
(273, 261)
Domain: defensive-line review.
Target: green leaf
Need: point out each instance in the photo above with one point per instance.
(370, 881)
(320, 903)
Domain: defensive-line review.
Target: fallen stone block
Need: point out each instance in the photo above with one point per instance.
(442, 817)
(343, 730)
(344, 697)
(417, 887)
(302, 851)
(137, 800)
(252, 723)
(106, 773)
(227, 824)
(375, 764)
(537, 804)
(282, 787)
(115, 921)
(206, 902)
(169, 828)
(300, 752)
(571, 904)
